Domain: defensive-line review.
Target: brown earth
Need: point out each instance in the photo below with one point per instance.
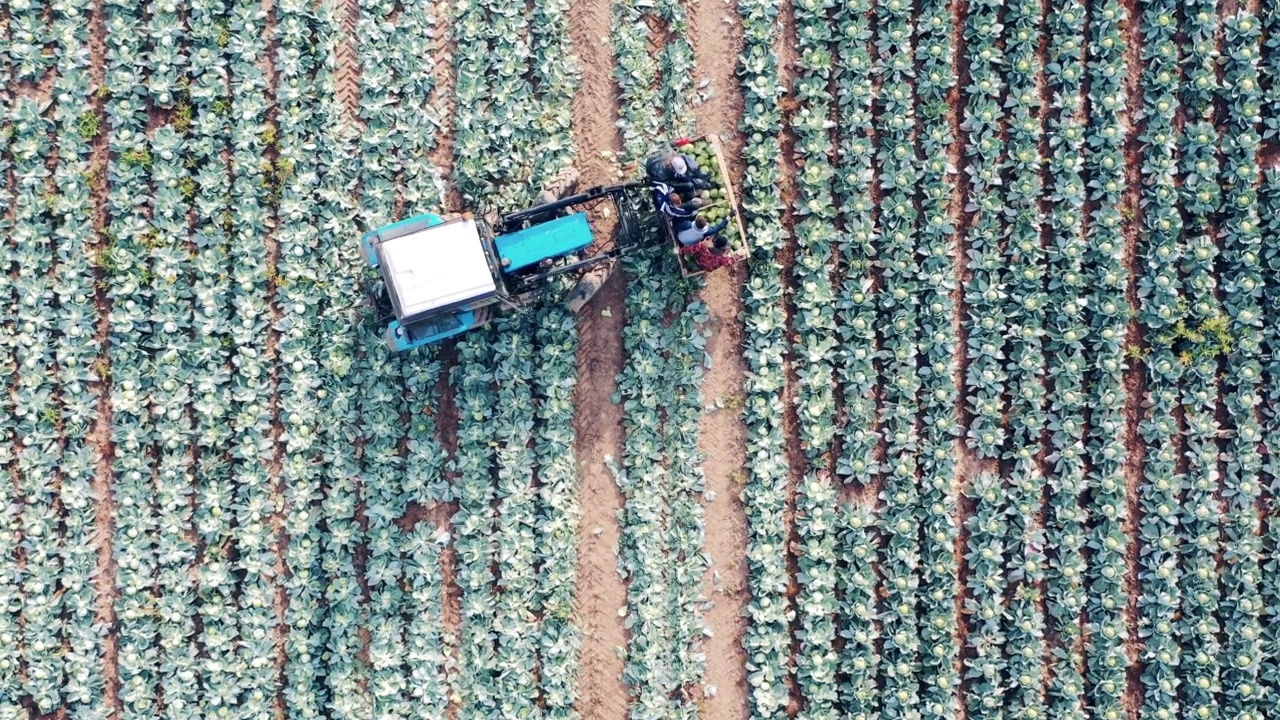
(443, 103)
(1135, 377)
(598, 428)
(100, 435)
(598, 421)
(717, 45)
(722, 440)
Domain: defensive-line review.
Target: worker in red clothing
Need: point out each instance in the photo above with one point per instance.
(710, 253)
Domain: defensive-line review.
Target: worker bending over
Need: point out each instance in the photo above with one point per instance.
(677, 171)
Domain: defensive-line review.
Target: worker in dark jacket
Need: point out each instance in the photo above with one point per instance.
(691, 232)
(670, 203)
(677, 170)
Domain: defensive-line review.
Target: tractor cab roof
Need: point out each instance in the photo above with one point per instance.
(435, 268)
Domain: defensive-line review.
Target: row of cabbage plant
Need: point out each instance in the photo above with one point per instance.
(1108, 313)
(856, 585)
(1199, 630)
(252, 383)
(855, 305)
(1241, 242)
(10, 684)
(523, 656)
(382, 55)
(856, 541)
(473, 523)
(767, 638)
(510, 429)
(899, 325)
(1066, 516)
(346, 691)
(173, 363)
(935, 81)
(76, 351)
(662, 526)
(985, 291)
(487, 65)
(985, 580)
(35, 413)
(128, 268)
(557, 78)
(1026, 307)
(814, 324)
(299, 298)
(1269, 209)
(493, 142)
(684, 361)
(1269, 212)
(31, 36)
(1159, 290)
(209, 94)
(686, 561)
(556, 532)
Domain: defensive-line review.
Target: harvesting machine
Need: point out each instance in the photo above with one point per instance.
(443, 276)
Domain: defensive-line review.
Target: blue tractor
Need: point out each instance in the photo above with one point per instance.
(442, 277)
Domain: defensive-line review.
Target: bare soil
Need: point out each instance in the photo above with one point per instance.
(598, 430)
(1135, 376)
(598, 421)
(716, 35)
(722, 441)
(100, 436)
(443, 102)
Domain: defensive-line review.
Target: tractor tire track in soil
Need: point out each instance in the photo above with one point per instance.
(1135, 375)
(717, 45)
(443, 105)
(349, 63)
(968, 465)
(597, 420)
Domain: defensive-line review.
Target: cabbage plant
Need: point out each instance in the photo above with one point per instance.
(1025, 310)
(899, 322)
(75, 352)
(1200, 517)
(1161, 306)
(938, 345)
(1242, 288)
(986, 667)
(1065, 518)
(766, 640)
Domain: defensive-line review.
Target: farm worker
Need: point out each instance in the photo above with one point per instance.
(669, 203)
(710, 254)
(676, 170)
(692, 233)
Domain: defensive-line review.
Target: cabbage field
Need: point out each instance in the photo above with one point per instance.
(987, 426)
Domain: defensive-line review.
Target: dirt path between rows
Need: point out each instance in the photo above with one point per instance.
(716, 35)
(597, 420)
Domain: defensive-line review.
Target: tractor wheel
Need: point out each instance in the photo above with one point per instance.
(560, 186)
(590, 282)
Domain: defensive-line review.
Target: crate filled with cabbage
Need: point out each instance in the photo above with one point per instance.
(696, 204)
